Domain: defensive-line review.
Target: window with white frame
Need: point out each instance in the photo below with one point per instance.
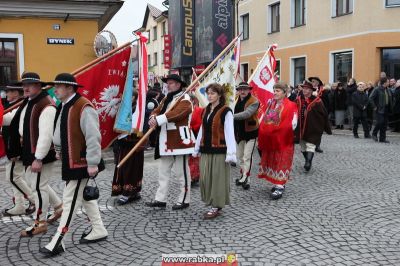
(244, 26)
(342, 66)
(274, 17)
(148, 60)
(390, 3)
(342, 7)
(298, 13)
(299, 70)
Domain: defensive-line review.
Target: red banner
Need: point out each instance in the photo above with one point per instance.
(103, 86)
(167, 51)
(263, 79)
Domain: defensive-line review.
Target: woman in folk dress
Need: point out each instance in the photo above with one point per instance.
(217, 145)
(276, 140)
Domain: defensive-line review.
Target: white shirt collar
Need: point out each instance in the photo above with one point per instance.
(69, 99)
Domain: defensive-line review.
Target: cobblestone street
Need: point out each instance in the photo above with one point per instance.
(344, 212)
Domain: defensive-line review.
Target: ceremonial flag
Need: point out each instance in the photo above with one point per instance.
(103, 86)
(138, 118)
(123, 121)
(225, 73)
(263, 79)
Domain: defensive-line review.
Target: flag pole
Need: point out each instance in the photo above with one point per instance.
(11, 108)
(188, 89)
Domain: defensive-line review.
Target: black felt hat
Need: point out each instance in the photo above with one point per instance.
(307, 85)
(30, 78)
(176, 78)
(13, 86)
(67, 79)
(320, 83)
(243, 85)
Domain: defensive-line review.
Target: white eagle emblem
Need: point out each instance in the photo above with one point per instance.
(108, 102)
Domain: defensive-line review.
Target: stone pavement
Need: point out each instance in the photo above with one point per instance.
(344, 212)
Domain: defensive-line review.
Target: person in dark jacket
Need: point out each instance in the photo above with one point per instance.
(291, 94)
(381, 100)
(313, 121)
(14, 170)
(396, 107)
(360, 103)
(324, 95)
(339, 105)
(370, 111)
(151, 104)
(331, 109)
(127, 180)
(350, 89)
(318, 85)
(157, 88)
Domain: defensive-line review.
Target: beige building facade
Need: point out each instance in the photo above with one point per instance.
(155, 25)
(332, 39)
(49, 37)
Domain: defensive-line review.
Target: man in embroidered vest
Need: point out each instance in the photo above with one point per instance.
(15, 172)
(31, 141)
(175, 142)
(77, 142)
(246, 131)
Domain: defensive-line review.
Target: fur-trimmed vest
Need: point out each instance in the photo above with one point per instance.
(5, 130)
(246, 129)
(73, 144)
(213, 136)
(175, 136)
(27, 147)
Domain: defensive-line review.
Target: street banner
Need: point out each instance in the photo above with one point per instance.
(214, 22)
(181, 28)
(167, 51)
(263, 79)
